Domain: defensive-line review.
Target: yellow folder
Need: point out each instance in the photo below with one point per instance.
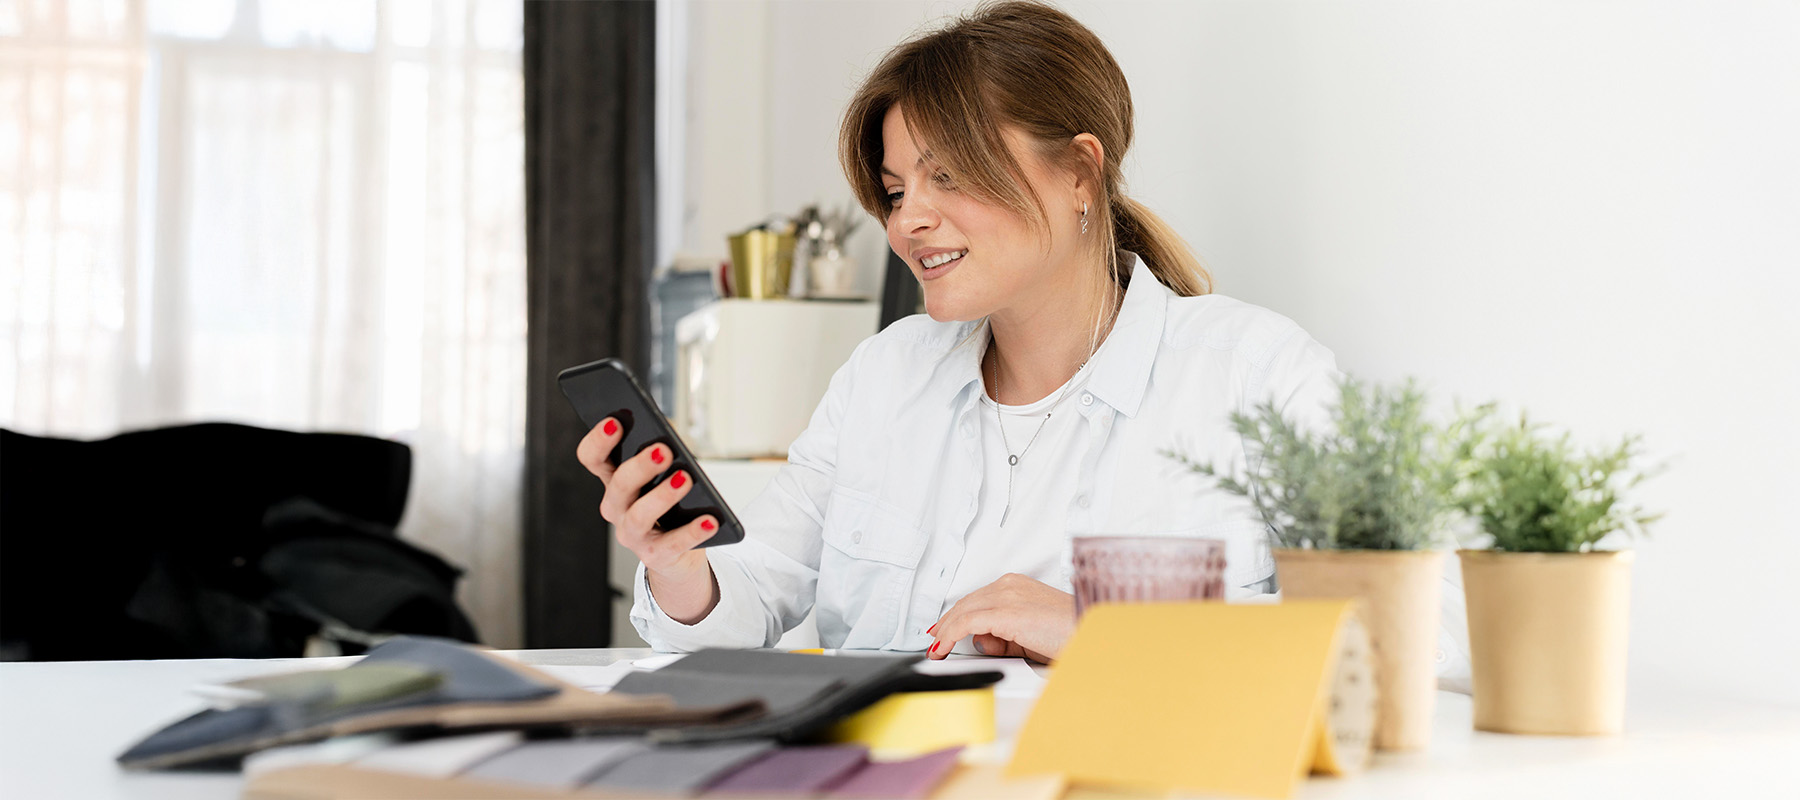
(1205, 697)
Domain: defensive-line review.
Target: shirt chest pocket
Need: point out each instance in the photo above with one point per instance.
(865, 571)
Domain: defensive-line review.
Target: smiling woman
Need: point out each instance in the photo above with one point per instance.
(1068, 335)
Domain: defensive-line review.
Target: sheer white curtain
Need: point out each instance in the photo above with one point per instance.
(304, 214)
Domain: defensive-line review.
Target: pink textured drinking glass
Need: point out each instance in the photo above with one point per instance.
(1138, 569)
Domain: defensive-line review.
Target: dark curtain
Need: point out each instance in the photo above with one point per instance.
(589, 199)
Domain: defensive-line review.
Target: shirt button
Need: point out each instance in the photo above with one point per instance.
(1087, 399)
(1081, 500)
(1442, 656)
(856, 537)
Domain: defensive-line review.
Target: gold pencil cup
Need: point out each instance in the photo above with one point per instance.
(761, 264)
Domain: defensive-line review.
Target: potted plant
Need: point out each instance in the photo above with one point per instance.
(1548, 610)
(1354, 510)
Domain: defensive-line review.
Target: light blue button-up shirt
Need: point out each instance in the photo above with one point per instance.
(882, 486)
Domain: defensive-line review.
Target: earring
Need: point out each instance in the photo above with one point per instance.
(1084, 218)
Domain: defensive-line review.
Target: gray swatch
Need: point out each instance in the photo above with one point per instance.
(441, 758)
(559, 763)
(468, 674)
(681, 769)
(780, 693)
(804, 692)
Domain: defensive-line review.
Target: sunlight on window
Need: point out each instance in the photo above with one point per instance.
(192, 19)
(409, 22)
(408, 207)
(98, 20)
(499, 24)
(339, 24)
(12, 22)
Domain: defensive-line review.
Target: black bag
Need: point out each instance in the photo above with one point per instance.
(208, 541)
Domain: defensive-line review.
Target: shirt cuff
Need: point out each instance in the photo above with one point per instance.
(738, 621)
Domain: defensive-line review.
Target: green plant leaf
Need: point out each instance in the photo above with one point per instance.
(1381, 478)
(1536, 493)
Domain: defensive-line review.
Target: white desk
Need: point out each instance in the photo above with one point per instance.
(61, 725)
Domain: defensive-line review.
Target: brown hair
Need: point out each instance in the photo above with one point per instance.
(1033, 67)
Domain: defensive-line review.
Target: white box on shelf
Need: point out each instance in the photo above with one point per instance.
(750, 372)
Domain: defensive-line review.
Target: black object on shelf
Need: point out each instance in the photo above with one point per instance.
(899, 292)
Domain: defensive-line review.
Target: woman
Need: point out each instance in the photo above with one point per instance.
(1069, 337)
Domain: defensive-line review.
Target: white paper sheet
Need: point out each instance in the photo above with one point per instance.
(591, 678)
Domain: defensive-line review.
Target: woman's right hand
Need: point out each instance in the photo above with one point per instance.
(680, 576)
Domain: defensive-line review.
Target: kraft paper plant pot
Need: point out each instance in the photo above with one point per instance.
(1399, 592)
(1547, 640)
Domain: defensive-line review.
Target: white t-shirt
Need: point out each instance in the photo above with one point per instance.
(1034, 542)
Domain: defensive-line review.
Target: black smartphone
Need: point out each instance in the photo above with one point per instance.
(606, 388)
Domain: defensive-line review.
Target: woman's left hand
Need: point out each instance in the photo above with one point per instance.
(1013, 616)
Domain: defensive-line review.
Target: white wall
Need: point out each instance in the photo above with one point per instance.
(1589, 209)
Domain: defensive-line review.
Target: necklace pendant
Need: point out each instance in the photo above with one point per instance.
(1012, 461)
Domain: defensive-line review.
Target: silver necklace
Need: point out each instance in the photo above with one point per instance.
(1012, 459)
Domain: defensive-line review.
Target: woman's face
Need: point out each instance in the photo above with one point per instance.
(974, 259)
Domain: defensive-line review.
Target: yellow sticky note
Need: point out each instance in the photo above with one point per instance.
(1195, 697)
(909, 724)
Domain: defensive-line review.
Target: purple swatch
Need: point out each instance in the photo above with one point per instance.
(899, 780)
(795, 770)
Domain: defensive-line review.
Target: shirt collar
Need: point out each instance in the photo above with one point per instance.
(1121, 368)
(1119, 372)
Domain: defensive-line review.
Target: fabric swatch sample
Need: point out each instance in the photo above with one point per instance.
(899, 780)
(831, 687)
(334, 689)
(781, 694)
(559, 763)
(794, 771)
(338, 750)
(681, 769)
(205, 729)
(441, 758)
(468, 675)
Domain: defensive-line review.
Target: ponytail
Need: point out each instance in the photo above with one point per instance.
(1139, 230)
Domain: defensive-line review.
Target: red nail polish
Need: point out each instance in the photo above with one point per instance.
(934, 647)
(656, 456)
(931, 629)
(611, 427)
(679, 480)
(707, 525)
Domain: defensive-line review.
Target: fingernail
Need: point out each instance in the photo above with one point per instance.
(934, 647)
(707, 525)
(931, 629)
(679, 480)
(610, 427)
(656, 456)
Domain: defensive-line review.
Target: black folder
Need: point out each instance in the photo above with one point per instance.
(803, 693)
